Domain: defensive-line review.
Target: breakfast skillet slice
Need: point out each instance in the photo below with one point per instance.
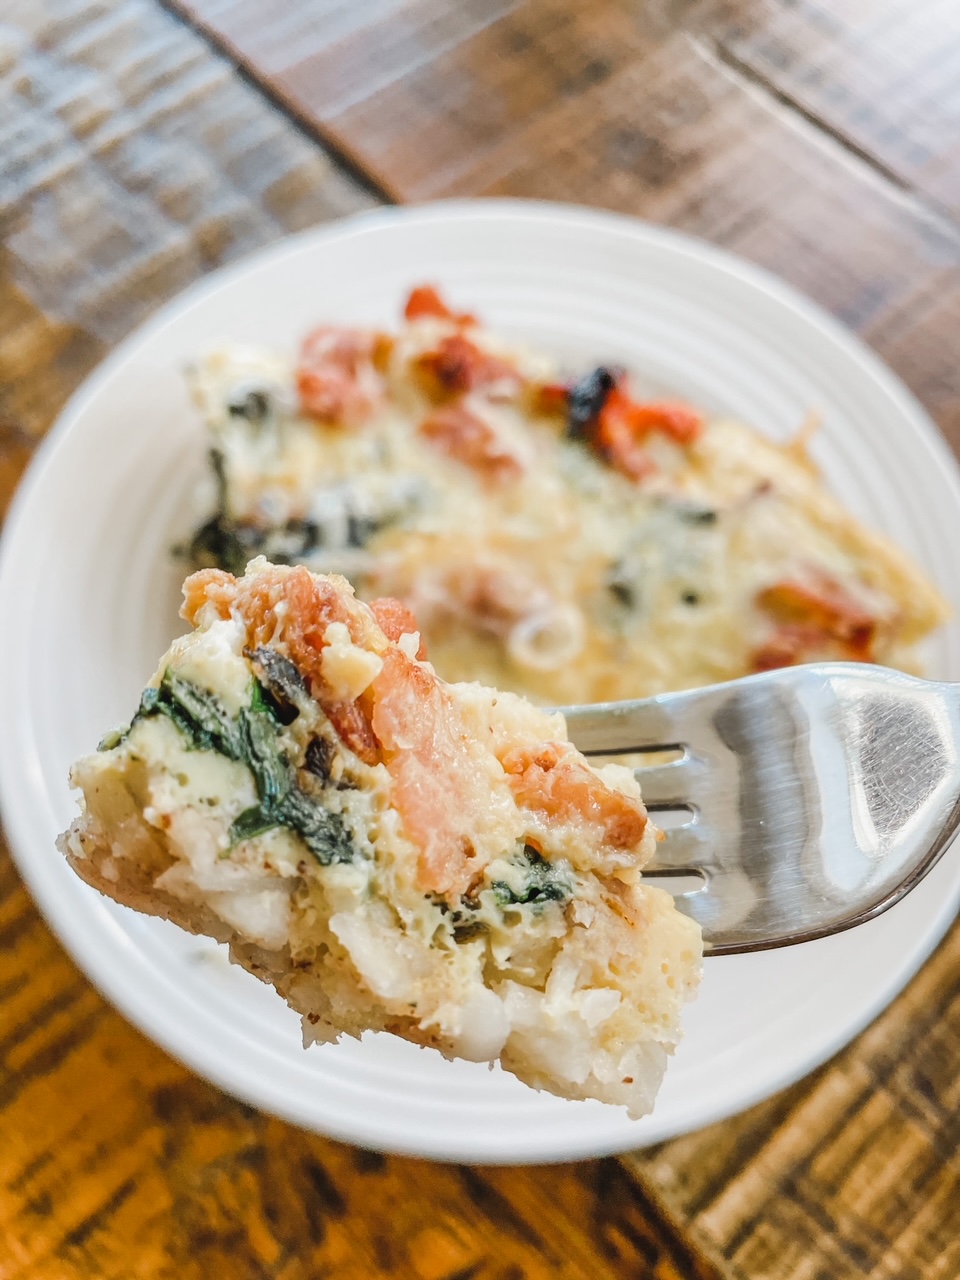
(570, 540)
(391, 852)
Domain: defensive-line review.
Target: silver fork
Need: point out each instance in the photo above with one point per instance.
(811, 799)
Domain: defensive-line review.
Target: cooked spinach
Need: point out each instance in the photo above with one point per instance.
(199, 716)
(585, 401)
(696, 515)
(320, 830)
(253, 403)
(252, 738)
(228, 544)
(223, 542)
(623, 584)
(361, 528)
(543, 881)
(261, 748)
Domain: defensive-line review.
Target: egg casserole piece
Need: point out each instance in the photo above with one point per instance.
(389, 851)
(565, 538)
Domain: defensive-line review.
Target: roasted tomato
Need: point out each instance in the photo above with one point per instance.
(552, 780)
(815, 618)
(426, 301)
(601, 411)
(624, 426)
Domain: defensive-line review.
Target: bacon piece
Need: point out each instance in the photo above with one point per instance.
(457, 366)
(815, 618)
(336, 378)
(298, 606)
(551, 780)
(426, 301)
(396, 620)
(215, 587)
(463, 435)
(436, 787)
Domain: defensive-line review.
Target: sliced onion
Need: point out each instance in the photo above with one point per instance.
(548, 638)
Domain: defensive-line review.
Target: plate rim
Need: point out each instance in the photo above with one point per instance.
(70, 932)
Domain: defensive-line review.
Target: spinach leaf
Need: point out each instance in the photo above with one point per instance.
(543, 881)
(251, 402)
(320, 830)
(252, 738)
(200, 716)
(252, 822)
(261, 749)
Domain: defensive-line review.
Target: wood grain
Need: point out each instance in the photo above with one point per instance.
(854, 1172)
(683, 113)
(880, 77)
(117, 1162)
(820, 141)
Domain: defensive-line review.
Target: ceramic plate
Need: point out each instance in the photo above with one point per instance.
(88, 598)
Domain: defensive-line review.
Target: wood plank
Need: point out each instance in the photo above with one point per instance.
(819, 141)
(600, 106)
(134, 160)
(880, 77)
(884, 77)
(857, 1168)
(115, 1161)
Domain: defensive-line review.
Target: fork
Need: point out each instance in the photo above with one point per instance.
(808, 799)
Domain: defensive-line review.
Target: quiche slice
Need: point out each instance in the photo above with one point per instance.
(391, 852)
(567, 538)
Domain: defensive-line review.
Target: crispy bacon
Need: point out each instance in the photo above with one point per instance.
(463, 435)
(436, 787)
(293, 607)
(549, 779)
(426, 301)
(395, 620)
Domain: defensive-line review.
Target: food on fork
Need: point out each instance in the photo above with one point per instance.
(569, 539)
(391, 852)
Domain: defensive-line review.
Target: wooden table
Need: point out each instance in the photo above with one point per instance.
(822, 141)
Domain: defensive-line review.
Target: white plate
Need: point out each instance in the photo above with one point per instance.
(88, 597)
